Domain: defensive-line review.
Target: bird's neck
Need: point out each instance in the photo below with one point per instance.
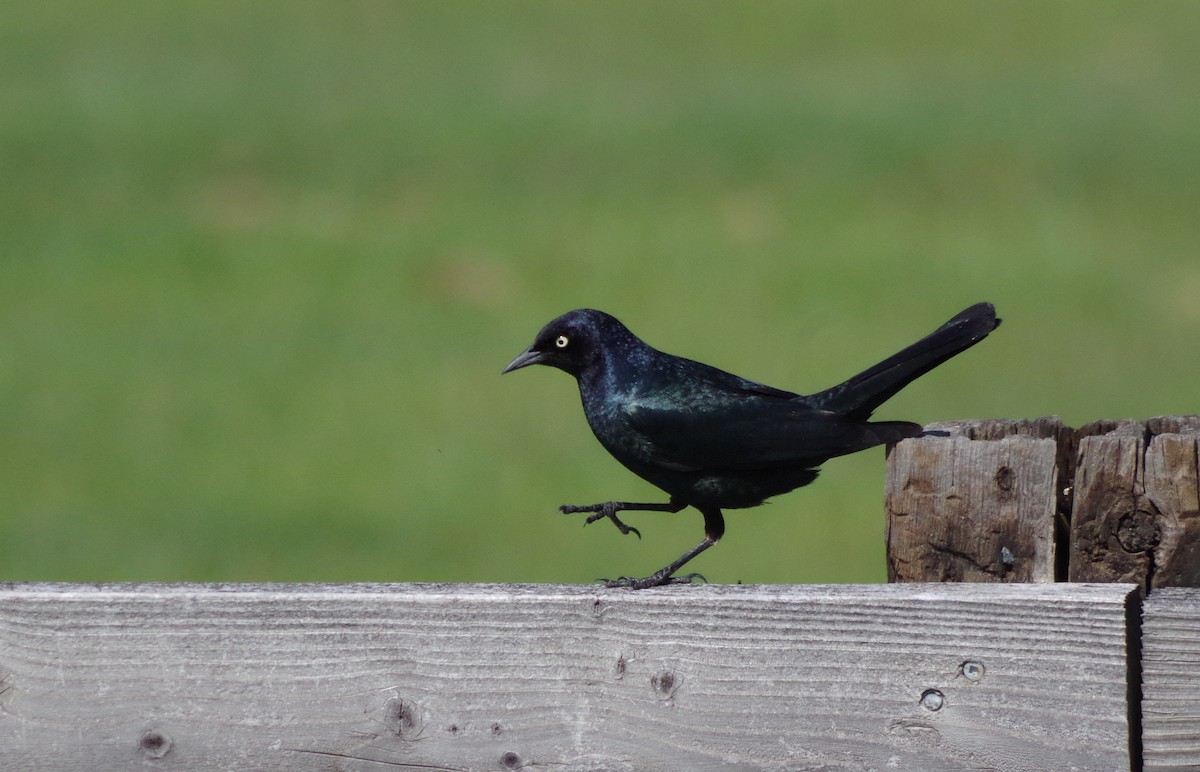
(609, 380)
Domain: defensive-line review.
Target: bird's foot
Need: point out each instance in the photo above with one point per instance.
(654, 580)
(601, 511)
(621, 526)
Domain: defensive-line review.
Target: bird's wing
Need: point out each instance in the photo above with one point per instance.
(711, 432)
(706, 381)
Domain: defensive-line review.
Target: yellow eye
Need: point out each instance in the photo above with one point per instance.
(561, 341)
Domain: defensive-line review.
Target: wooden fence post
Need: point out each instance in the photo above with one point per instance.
(1036, 501)
(1136, 515)
(977, 504)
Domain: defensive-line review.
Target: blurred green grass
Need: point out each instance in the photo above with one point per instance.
(263, 263)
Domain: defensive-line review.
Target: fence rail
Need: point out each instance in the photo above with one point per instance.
(486, 677)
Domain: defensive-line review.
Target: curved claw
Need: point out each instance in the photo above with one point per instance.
(625, 529)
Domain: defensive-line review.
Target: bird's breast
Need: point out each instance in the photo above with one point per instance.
(610, 418)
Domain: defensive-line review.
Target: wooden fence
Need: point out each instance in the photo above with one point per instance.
(1036, 501)
(1008, 671)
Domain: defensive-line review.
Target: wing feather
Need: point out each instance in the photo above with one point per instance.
(747, 432)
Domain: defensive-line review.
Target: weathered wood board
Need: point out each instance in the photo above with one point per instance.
(961, 508)
(1136, 511)
(1171, 680)
(1036, 501)
(486, 677)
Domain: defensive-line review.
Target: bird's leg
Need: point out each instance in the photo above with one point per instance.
(714, 529)
(610, 509)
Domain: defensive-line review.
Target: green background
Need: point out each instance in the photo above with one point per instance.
(263, 262)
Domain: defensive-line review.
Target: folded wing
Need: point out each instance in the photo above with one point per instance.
(752, 433)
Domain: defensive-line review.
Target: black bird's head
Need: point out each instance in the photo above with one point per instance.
(574, 341)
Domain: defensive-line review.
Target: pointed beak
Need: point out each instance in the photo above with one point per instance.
(524, 359)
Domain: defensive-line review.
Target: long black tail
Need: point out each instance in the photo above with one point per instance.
(858, 397)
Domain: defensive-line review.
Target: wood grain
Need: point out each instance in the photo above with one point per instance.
(1170, 689)
(1136, 515)
(975, 510)
(1113, 501)
(487, 677)
(1172, 484)
(1113, 531)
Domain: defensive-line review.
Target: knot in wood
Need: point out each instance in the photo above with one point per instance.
(665, 683)
(155, 744)
(1137, 531)
(1005, 479)
(400, 718)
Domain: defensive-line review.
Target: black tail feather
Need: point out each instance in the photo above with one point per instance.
(858, 397)
(889, 432)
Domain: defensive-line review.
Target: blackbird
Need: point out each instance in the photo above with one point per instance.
(713, 440)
